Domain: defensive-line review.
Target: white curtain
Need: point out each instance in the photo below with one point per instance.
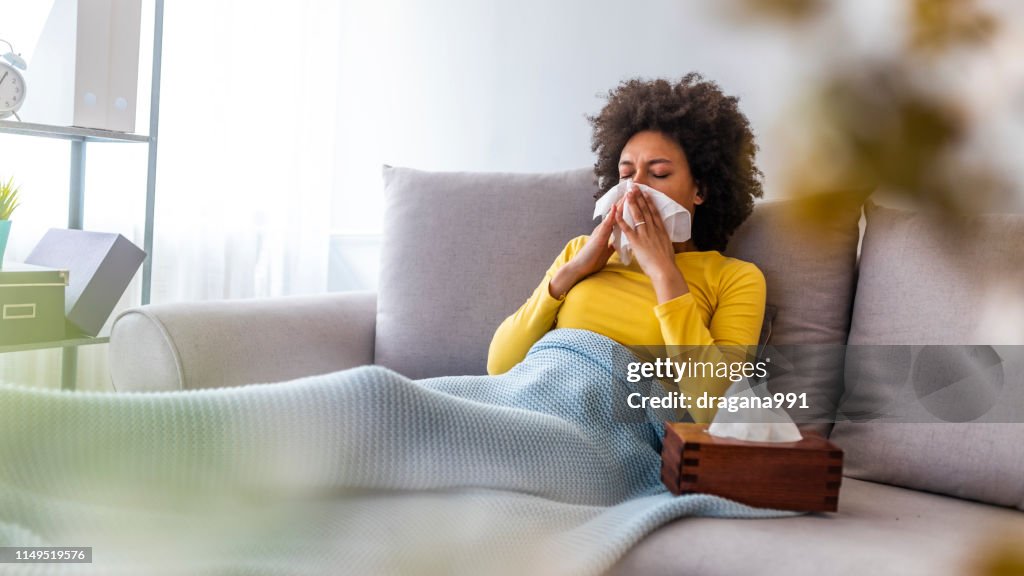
(247, 149)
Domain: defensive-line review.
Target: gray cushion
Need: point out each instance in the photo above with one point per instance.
(928, 281)
(924, 282)
(807, 250)
(879, 530)
(461, 252)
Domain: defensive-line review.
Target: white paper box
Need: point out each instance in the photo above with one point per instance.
(101, 266)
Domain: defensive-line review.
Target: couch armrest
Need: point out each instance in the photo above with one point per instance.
(213, 344)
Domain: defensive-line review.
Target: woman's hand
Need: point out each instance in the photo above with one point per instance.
(591, 258)
(651, 246)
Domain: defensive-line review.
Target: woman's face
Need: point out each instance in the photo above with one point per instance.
(653, 159)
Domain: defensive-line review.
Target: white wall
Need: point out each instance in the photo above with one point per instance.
(505, 86)
(489, 85)
(479, 85)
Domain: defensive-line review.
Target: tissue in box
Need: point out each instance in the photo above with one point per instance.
(802, 475)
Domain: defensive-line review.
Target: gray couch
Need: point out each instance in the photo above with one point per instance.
(463, 250)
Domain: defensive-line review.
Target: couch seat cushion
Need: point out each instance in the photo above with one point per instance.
(879, 530)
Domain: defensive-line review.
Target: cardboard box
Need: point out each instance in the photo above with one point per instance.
(803, 475)
(31, 304)
(101, 267)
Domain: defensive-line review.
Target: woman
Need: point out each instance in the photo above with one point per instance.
(690, 142)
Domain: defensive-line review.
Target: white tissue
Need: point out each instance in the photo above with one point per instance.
(753, 424)
(674, 216)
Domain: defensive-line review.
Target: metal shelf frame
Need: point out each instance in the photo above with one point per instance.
(79, 137)
(68, 132)
(66, 343)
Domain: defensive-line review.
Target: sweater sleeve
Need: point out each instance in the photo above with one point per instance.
(733, 332)
(534, 318)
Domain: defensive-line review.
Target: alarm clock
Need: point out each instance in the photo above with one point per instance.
(12, 85)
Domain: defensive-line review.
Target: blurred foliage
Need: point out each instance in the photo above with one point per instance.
(788, 11)
(938, 25)
(1005, 558)
(890, 122)
(877, 128)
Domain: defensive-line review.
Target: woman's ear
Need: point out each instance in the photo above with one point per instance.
(698, 198)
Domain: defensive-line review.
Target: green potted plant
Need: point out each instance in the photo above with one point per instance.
(8, 202)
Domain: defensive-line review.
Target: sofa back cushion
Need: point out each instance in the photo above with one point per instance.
(807, 250)
(461, 252)
(935, 372)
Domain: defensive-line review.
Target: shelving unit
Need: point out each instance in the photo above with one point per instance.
(79, 138)
(68, 343)
(68, 132)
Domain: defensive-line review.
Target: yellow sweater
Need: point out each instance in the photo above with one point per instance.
(724, 308)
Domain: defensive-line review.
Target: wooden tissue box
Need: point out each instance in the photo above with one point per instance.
(802, 475)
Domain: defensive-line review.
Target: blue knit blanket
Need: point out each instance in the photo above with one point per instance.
(537, 471)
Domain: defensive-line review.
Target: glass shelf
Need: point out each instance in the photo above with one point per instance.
(68, 132)
(66, 343)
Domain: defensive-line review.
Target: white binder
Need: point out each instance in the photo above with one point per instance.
(84, 70)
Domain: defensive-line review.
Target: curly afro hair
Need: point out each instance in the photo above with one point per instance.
(714, 134)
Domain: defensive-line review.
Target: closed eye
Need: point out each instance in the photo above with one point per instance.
(658, 176)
